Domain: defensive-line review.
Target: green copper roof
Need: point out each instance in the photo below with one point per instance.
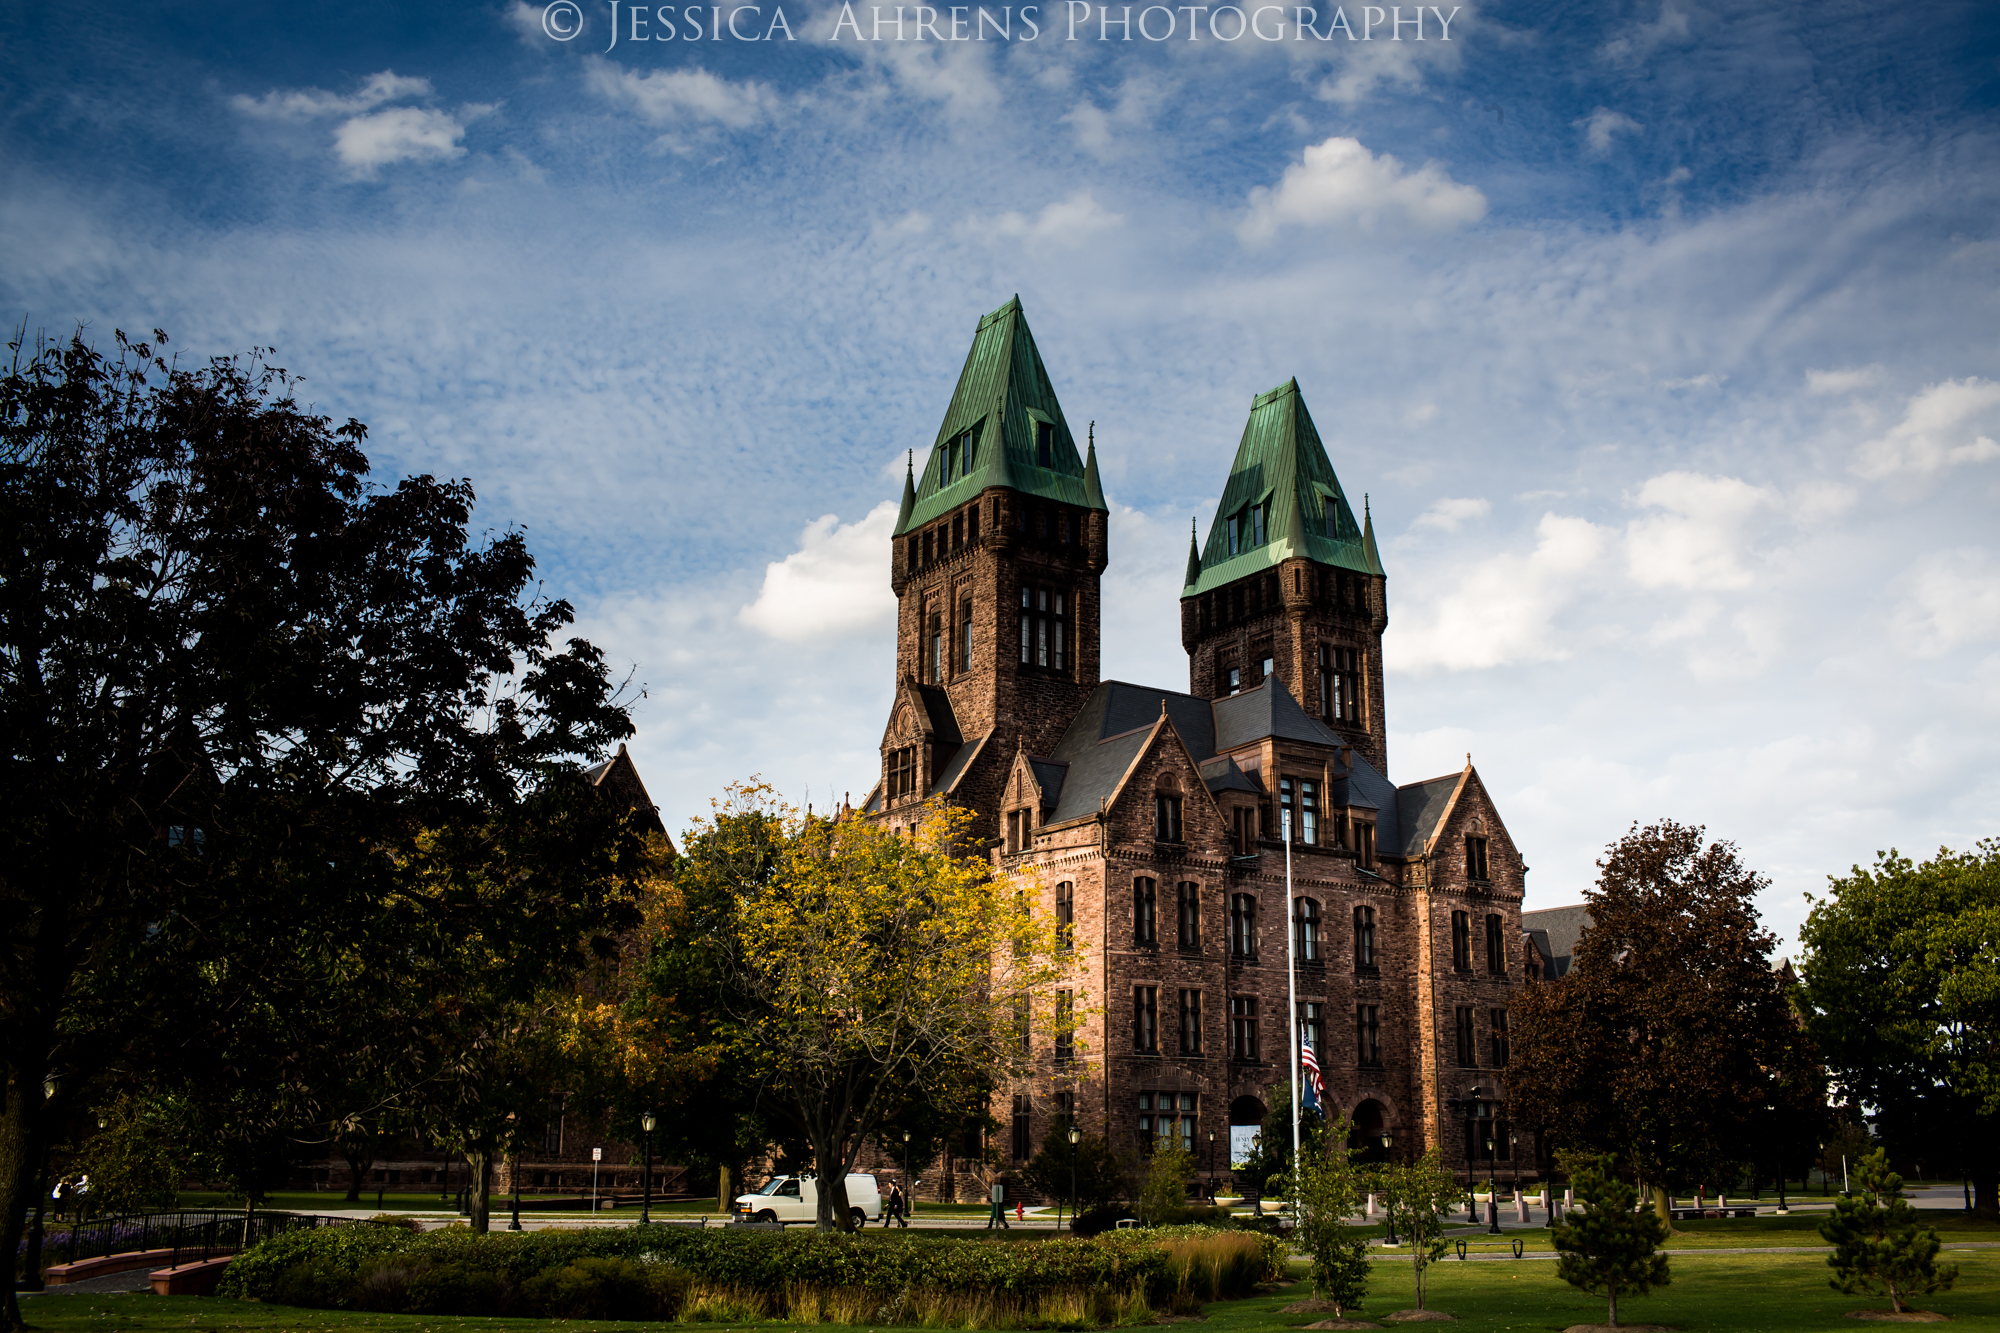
(1281, 467)
(1002, 393)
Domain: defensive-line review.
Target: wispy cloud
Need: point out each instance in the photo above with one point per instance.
(670, 96)
(1946, 426)
(1602, 126)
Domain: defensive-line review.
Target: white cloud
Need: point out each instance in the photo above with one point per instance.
(1067, 222)
(1340, 182)
(1952, 597)
(836, 584)
(1701, 537)
(1842, 381)
(1672, 28)
(397, 134)
(669, 96)
(311, 103)
(1945, 425)
(1601, 126)
(1448, 515)
(1502, 610)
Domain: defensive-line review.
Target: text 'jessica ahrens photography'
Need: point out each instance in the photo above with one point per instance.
(1080, 20)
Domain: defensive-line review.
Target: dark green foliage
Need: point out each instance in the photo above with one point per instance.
(1902, 995)
(1096, 1221)
(1879, 1245)
(1609, 1247)
(1099, 1177)
(389, 1268)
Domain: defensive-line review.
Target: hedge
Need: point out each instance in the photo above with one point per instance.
(383, 1267)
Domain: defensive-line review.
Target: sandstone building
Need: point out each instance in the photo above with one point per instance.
(1151, 818)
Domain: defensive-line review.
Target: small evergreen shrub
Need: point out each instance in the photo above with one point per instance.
(1879, 1244)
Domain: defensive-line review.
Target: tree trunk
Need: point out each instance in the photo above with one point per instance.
(23, 1128)
(479, 1195)
(1986, 1190)
(358, 1163)
(725, 1197)
(1614, 1304)
(1663, 1205)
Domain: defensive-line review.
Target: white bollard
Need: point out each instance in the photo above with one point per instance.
(1520, 1206)
(1371, 1206)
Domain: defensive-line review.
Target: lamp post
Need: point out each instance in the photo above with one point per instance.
(514, 1170)
(646, 1122)
(1211, 1166)
(1389, 1195)
(1075, 1137)
(1492, 1186)
(910, 1194)
(1514, 1164)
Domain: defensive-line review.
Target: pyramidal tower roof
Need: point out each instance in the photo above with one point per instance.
(1003, 393)
(1281, 467)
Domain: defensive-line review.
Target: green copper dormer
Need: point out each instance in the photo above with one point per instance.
(1281, 502)
(1004, 428)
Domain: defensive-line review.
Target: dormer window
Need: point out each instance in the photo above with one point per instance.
(950, 460)
(1258, 513)
(968, 451)
(1235, 534)
(1045, 444)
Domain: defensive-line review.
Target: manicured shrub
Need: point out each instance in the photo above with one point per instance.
(1097, 1221)
(606, 1289)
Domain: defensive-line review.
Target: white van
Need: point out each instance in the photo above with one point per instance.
(796, 1199)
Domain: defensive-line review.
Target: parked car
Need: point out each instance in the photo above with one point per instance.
(796, 1199)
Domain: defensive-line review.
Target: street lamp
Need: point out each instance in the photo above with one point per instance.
(1389, 1195)
(1492, 1187)
(646, 1122)
(1075, 1137)
(514, 1173)
(910, 1194)
(1211, 1166)
(1514, 1162)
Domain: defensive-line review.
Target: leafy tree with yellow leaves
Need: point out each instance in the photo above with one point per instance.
(836, 969)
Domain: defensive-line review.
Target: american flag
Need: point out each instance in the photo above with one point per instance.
(1315, 1089)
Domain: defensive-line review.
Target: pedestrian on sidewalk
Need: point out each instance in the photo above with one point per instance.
(999, 1214)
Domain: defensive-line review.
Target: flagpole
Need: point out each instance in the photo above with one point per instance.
(1292, 999)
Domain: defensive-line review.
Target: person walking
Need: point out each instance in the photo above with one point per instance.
(999, 1213)
(899, 1207)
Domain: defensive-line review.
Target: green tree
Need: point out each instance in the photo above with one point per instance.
(235, 677)
(1327, 1187)
(1902, 993)
(1097, 1175)
(1611, 1245)
(134, 1160)
(1879, 1246)
(1272, 1154)
(1163, 1191)
(851, 969)
(1421, 1195)
(1670, 1043)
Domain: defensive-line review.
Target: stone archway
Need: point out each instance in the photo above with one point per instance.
(1371, 1120)
(1246, 1120)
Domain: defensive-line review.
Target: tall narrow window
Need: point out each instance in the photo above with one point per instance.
(1022, 1015)
(950, 458)
(1065, 1024)
(1023, 1127)
(937, 648)
(1243, 829)
(1258, 513)
(1235, 530)
(1045, 639)
(1188, 915)
(1146, 1019)
(1166, 817)
(1145, 913)
(965, 635)
(1065, 916)
(1013, 831)
(1496, 948)
(957, 531)
(1475, 858)
(1242, 926)
(1190, 1022)
(1236, 680)
(1364, 939)
(972, 514)
(1045, 444)
(1340, 685)
(1364, 844)
(1468, 1054)
(1027, 626)
(1243, 1027)
(1308, 813)
(1497, 1022)
(1326, 682)
(1310, 1013)
(1367, 1036)
(1288, 823)
(1461, 941)
(927, 547)
(1305, 929)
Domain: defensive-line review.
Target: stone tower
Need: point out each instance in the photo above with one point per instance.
(1288, 584)
(995, 565)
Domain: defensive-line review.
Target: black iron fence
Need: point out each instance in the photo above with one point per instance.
(190, 1236)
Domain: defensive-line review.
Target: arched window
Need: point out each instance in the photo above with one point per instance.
(1305, 929)
(1364, 938)
(1243, 925)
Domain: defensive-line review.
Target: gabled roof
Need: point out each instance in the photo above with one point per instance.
(1423, 805)
(954, 769)
(618, 778)
(1560, 928)
(1280, 461)
(938, 712)
(1002, 392)
(1049, 776)
(1223, 775)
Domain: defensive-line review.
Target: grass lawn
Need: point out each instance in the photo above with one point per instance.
(1709, 1294)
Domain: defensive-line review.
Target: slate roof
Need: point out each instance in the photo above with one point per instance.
(618, 777)
(1559, 929)
(1002, 391)
(955, 767)
(937, 708)
(1422, 805)
(1224, 775)
(1263, 710)
(1281, 461)
(1049, 776)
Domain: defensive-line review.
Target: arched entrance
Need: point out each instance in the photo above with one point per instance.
(1371, 1121)
(1246, 1121)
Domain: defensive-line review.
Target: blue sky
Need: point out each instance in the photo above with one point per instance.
(1662, 336)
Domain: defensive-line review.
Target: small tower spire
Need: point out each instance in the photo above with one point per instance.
(1093, 488)
(1368, 550)
(1194, 556)
(909, 491)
